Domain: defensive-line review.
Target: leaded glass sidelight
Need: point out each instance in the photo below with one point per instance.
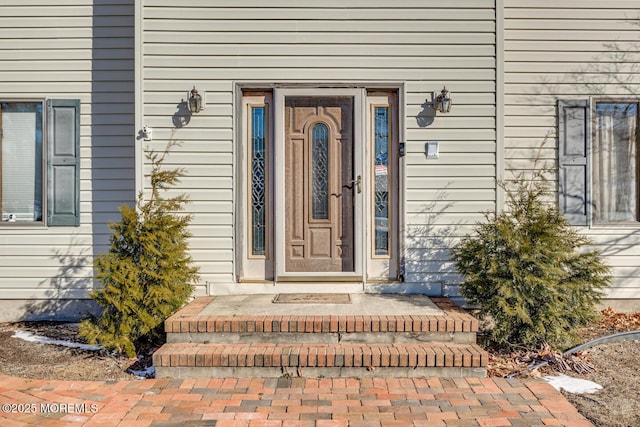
(258, 181)
(381, 178)
(320, 171)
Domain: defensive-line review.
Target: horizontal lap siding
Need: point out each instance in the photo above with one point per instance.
(82, 49)
(425, 44)
(570, 50)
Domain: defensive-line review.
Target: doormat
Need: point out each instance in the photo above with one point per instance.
(312, 299)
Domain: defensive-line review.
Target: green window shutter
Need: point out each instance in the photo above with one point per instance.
(574, 118)
(63, 162)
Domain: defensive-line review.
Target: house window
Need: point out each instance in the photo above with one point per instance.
(39, 150)
(614, 162)
(21, 140)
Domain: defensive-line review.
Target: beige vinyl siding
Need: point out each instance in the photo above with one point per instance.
(424, 45)
(80, 49)
(570, 50)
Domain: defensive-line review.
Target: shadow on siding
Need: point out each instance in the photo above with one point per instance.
(112, 148)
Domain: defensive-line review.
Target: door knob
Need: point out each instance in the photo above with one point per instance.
(357, 182)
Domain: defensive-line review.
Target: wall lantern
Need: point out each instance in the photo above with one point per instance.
(196, 101)
(443, 101)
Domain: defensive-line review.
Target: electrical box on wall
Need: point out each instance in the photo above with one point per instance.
(432, 149)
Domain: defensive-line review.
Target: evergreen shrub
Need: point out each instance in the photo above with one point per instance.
(529, 271)
(147, 274)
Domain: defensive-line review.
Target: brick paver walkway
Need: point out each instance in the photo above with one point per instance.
(281, 402)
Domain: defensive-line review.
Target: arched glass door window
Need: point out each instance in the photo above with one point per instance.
(320, 171)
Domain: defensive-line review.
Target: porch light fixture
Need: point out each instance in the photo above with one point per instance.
(195, 101)
(443, 101)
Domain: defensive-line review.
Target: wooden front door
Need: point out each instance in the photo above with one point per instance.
(319, 184)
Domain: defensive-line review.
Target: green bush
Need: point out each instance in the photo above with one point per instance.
(147, 274)
(529, 270)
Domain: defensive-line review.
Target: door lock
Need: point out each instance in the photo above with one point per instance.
(357, 182)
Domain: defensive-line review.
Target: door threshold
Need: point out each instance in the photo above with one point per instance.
(316, 287)
(319, 279)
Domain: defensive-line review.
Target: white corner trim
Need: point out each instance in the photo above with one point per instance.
(500, 109)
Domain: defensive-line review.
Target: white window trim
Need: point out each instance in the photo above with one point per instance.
(43, 222)
(592, 223)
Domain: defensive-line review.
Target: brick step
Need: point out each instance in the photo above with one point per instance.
(449, 323)
(182, 360)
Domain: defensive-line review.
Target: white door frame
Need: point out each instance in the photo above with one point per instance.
(359, 246)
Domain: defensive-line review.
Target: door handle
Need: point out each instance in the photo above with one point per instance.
(357, 182)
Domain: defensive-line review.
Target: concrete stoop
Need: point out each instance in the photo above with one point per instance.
(201, 345)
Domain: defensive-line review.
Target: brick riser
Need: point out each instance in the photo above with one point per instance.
(197, 360)
(320, 355)
(318, 324)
